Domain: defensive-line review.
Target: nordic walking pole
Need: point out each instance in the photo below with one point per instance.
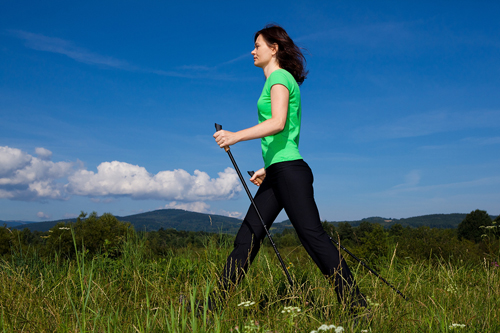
(368, 268)
(228, 151)
(360, 261)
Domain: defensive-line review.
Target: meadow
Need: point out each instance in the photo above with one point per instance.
(140, 292)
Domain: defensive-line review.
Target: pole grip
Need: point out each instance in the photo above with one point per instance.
(251, 173)
(218, 127)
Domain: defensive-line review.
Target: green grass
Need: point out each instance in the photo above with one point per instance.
(139, 293)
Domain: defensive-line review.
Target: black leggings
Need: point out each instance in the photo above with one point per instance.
(289, 185)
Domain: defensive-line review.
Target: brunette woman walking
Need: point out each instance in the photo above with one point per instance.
(285, 181)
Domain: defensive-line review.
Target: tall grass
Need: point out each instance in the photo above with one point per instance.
(142, 293)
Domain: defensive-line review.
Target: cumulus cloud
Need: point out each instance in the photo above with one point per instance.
(124, 179)
(25, 177)
(43, 153)
(42, 215)
(198, 206)
(237, 215)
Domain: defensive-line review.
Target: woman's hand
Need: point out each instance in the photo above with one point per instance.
(225, 138)
(258, 176)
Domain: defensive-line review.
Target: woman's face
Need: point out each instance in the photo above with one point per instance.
(262, 54)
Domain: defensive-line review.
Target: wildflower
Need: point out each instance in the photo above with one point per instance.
(372, 304)
(452, 289)
(251, 326)
(246, 303)
(495, 264)
(324, 327)
(453, 326)
(290, 309)
(64, 228)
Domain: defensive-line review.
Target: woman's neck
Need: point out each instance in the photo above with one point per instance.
(271, 67)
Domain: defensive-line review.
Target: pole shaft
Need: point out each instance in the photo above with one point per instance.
(228, 151)
(371, 270)
(260, 217)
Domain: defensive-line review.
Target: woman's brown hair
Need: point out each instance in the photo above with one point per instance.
(289, 55)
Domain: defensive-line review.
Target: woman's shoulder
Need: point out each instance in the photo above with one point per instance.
(281, 76)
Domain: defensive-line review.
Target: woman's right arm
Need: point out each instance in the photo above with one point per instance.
(275, 124)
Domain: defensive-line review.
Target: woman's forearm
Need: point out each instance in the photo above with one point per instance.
(268, 127)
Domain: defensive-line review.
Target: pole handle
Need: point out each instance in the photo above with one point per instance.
(218, 127)
(251, 173)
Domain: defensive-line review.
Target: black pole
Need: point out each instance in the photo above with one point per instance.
(360, 261)
(368, 268)
(218, 128)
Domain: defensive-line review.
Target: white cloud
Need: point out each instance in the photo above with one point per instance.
(11, 160)
(198, 206)
(237, 215)
(43, 153)
(120, 178)
(42, 215)
(25, 177)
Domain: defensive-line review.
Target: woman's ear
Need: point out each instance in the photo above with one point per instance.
(274, 48)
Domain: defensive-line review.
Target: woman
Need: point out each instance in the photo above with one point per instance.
(286, 180)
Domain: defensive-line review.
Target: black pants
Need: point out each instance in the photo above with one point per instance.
(289, 186)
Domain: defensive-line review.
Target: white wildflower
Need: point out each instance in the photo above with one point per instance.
(453, 326)
(64, 228)
(324, 327)
(246, 303)
(290, 309)
(452, 289)
(371, 303)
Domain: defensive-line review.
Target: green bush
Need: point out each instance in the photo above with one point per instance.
(92, 234)
(470, 229)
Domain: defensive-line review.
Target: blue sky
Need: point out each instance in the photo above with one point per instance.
(110, 106)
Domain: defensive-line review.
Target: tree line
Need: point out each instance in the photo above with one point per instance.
(476, 238)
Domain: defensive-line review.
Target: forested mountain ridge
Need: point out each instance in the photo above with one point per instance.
(191, 221)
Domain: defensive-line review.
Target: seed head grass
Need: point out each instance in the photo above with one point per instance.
(139, 292)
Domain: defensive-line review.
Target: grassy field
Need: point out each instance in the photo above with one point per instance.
(139, 293)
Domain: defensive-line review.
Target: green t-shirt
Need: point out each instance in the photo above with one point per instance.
(282, 146)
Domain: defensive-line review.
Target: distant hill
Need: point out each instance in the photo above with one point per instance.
(190, 221)
(11, 224)
(165, 218)
(443, 221)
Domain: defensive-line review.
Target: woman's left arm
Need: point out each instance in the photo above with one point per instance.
(275, 124)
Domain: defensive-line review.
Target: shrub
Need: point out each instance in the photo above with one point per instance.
(104, 234)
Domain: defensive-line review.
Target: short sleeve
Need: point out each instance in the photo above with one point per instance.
(279, 77)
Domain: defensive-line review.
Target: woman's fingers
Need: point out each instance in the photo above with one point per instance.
(219, 137)
(224, 138)
(258, 176)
